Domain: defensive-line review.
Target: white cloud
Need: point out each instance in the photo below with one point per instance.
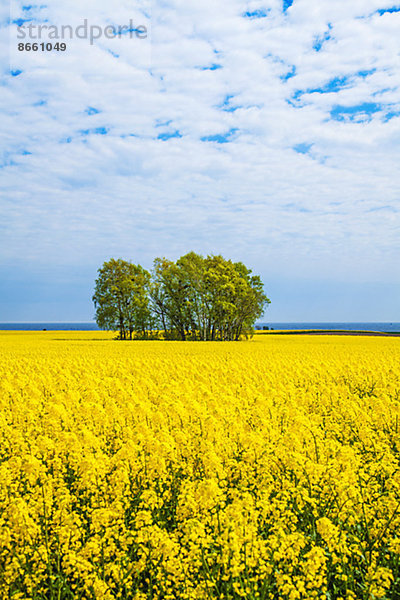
(80, 185)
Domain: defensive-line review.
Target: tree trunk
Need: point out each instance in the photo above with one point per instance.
(163, 323)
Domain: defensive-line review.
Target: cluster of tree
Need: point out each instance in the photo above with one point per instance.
(194, 298)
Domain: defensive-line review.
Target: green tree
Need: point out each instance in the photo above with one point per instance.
(169, 294)
(206, 298)
(121, 298)
(194, 298)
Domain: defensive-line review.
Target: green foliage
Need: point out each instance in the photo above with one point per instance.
(121, 298)
(194, 298)
(206, 298)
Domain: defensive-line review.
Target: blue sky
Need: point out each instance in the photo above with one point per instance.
(264, 131)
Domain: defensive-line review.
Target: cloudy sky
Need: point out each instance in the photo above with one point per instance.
(265, 131)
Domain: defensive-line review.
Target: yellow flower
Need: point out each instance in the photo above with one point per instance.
(195, 470)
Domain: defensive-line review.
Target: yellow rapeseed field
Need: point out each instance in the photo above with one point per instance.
(261, 469)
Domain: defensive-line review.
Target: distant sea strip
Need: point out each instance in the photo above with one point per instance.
(49, 326)
(384, 327)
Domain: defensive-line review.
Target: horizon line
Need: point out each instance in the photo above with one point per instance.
(256, 323)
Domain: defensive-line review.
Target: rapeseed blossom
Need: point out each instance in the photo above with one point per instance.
(259, 470)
